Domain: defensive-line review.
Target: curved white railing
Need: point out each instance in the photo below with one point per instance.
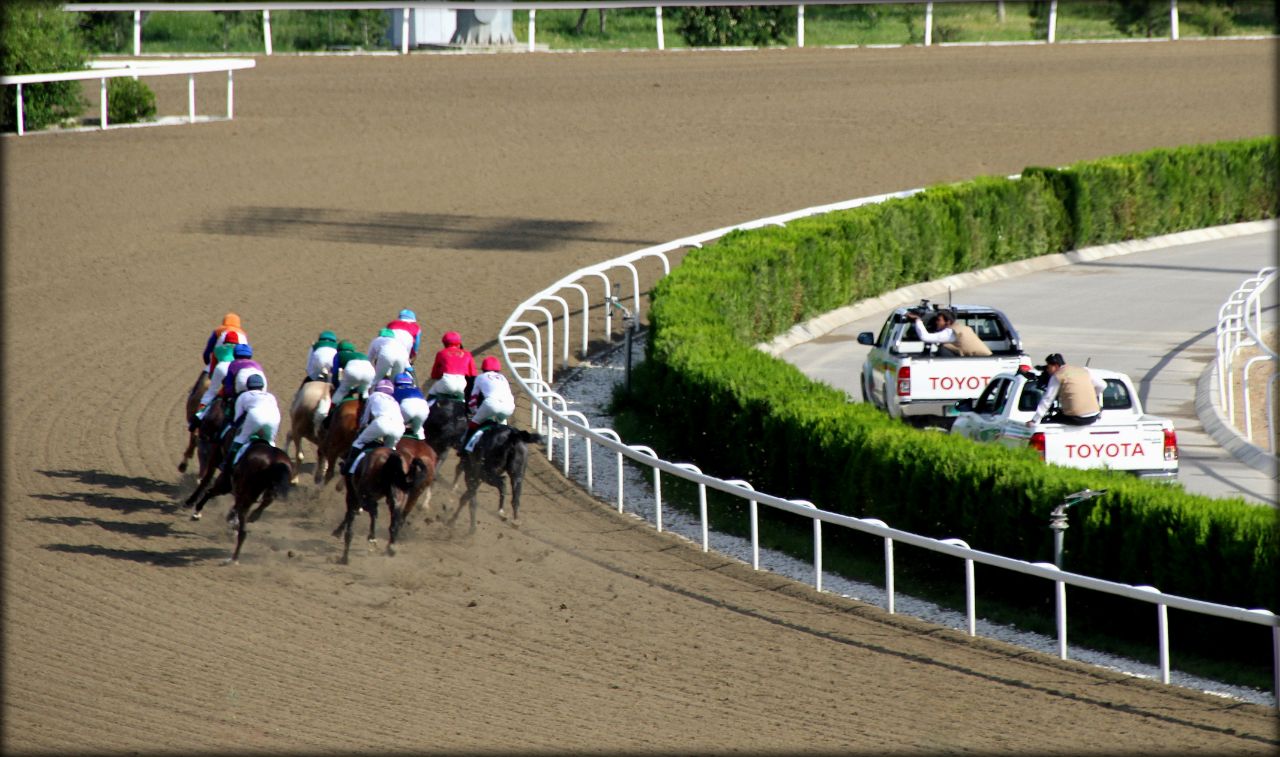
(533, 370)
(112, 70)
(404, 8)
(1240, 326)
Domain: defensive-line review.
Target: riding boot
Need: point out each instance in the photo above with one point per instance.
(229, 460)
(349, 460)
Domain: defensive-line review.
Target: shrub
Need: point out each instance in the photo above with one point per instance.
(129, 101)
(739, 25)
(40, 38)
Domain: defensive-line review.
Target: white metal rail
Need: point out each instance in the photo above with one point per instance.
(1240, 326)
(137, 9)
(136, 69)
(533, 369)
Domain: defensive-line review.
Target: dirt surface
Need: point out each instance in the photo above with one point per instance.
(347, 188)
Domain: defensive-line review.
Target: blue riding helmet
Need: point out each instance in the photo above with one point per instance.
(255, 382)
(243, 351)
(404, 379)
(408, 315)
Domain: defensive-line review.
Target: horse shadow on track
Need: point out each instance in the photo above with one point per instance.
(149, 530)
(177, 558)
(114, 480)
(120, 503)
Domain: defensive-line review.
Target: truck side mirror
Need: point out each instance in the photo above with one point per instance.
(867, 338)
(964, 406)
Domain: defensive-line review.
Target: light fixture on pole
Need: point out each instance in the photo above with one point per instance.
(1058, 519)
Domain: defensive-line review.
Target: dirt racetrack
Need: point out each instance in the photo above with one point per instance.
(348, 188)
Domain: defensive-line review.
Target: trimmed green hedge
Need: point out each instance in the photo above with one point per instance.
(760, 418)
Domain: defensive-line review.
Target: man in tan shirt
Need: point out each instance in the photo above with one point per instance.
(953, 338)
(1078, 391)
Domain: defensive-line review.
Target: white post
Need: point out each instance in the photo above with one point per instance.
(1173, 19)
(533, 25)
(191, 98)
(21, 123)
(137, 32)
(1060, 603)
(404, 32)
(102, 106)
(662, 42)
(231, 96)
(1000, 11)
(657, 498)
(620, 482)
(1162, 623)
(800, 26)
(702, 513)
(1053, 21)
(266, 30)
(928, 24)
(888, 573)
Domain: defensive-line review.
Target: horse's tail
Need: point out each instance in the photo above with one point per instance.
(528, 437)
(393, 473)
(419, 474)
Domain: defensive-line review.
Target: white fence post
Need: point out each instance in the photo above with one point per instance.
(533, 27)
(21, 122)
(266, 30)
(231, 96)
(662, 42)
(191, 98)
(799, 26)
(404, 32)
(137, 32)
(970, 591)
(102, 104)
(928, 24)
(1053, 21)
(1173, 19)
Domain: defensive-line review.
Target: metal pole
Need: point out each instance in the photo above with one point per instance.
(1173, 21)
(266, 30)
(231, 96)
(800, 26)
(191, 98)
(21, 122)
(928, 24)
(662, 42)
(137, 32)
(102, 105)
(533, 26)
(1053, 21)
(404, 32)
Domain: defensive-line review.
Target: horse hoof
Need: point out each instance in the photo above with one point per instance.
(194, 516)
(391, 551)
(231, 561)
(182, 467)
(502, 514)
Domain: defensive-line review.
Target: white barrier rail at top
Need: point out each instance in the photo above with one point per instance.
(533, 368)
(1240, 326)
(135, 69)
(137, 9)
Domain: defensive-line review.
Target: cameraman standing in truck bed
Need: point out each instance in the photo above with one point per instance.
(953, 338)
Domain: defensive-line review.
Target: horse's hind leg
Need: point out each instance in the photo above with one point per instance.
(396, 520)
(372, 509)
(267, 497)
(237, 519)
(502, 498)
(517, 483)
(189, 453)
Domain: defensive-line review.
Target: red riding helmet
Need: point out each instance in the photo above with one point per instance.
(491, 363)
(231, 337)
(452, 339)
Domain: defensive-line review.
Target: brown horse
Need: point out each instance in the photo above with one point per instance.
(336, 438)
(264, 471)
(422, 471)
(302, 416)
(211, 445)
(501, 452)
(382, 473)
(193, 403)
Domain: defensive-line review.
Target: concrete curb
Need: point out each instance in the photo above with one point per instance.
(1223, 433)
(827, 322)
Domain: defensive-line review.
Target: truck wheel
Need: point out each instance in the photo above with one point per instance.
(863, 385)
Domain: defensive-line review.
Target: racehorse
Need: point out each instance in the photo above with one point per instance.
(381, 473)
(264, 471)
(211, 446)
(422, 471)
(193, 403)
(501, 450)
(302, 418)
(344, 425)
(445, 426)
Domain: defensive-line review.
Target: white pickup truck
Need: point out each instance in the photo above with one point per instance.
(910, 379)
(1123, 438)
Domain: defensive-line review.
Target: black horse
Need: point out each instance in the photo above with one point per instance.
(501, 453)
(445, 426)
(382, 473)
(263, 471)
(213, 439)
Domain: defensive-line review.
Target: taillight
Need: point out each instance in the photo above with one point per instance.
(1037, 443)
(904, 381)
(1025, 367)
(1170, 444)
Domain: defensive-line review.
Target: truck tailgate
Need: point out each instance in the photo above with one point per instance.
(1138, 447)
(956, 378)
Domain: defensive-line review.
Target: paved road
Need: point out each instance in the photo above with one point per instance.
(1148, 314)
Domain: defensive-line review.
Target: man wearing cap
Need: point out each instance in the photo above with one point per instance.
(1077, 390)
(320, 360)
(954, 338)
(256, 415)
(491, 398)
(413, 406)
(221, 335)
(351, 373)
(453, 370)
(380, 422)
(408, 331)
(223, 354)
(390, 358)
(239, 371)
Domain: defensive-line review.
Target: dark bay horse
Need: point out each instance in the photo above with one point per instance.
(422, 471)
(336, 438)
(445, 427)
(381, 473)
(211, 445)
(264, 471)
(193, 402)
(500, 454)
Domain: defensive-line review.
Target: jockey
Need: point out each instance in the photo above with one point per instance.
(391, 357)
(222, 357)
(491, 398)
(381, 422)
(239, 371)
(351, 373)
(408, 331)
(320, 361)
(413, 406)
(230, 325)
(453, 371)
(257, 415)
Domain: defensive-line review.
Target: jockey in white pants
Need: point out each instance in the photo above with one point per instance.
(490, 396)
(392, 360)
(256, 414)
(413, 406)
(320, 359)
(222, 357)
(381, 422)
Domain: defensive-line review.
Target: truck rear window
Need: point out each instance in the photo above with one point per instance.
(1114, 397)
(987, 327)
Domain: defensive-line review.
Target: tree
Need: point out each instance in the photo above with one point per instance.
(1148, 17)
(38, 37)
(738, 25)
